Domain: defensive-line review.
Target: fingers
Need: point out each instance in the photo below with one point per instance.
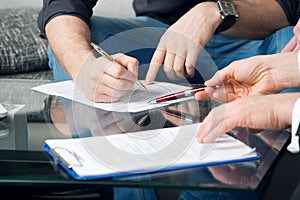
(228, 92)
(190, 62)
(174, 66)
(206, 127)
(104, 93)
(126, 68)
(240, 112)
(202, 96)
(157, 59)
(105, 81)
(221, 77)
(228, 73)
(217, 94)
(294, 43)
(169, 66)
(184, 63)
(224, 93)
(297, 48)
(290, 46)
(296, 31)
(232, 82)
(215, 80)
(114, 84)
(220, 120)
(129, 62)
(178, 64)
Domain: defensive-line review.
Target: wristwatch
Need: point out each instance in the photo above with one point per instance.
(228, 13)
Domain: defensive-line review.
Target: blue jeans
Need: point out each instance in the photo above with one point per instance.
(139, 36)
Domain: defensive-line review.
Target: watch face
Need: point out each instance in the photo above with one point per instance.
(227, 8)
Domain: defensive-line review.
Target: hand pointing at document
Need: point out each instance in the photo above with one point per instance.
(182, 43)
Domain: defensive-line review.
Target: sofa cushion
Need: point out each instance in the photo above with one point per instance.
(21, 48)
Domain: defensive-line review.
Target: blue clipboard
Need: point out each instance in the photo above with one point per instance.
(68, 167)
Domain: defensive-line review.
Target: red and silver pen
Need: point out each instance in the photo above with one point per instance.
(186, 93)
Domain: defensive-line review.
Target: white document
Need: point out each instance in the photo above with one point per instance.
(146, 151)
(136, 100)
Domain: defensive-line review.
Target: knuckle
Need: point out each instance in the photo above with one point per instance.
(135, 62)
(189, 67)
(167, 68)
(119, 71)
(178, 69)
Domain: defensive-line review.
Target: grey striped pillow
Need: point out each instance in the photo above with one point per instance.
(21, 48)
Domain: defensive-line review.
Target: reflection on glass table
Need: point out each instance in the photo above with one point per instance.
(13, 128)
(72, 120)
(86, 121)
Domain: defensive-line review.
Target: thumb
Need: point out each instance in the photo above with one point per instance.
(214, 81)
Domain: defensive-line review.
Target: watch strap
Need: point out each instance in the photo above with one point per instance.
(228, 13)
(226, 24)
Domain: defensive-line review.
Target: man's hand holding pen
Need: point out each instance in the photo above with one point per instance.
(112, 59)
(104, 81)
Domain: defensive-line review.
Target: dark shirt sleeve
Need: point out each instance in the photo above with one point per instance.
(166, 11)
(291, 9)
(52, 8)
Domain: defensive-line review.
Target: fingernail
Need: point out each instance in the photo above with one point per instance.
(207, 139)
(199, 141)
(206, 90)
(147, 80)
(215, 95)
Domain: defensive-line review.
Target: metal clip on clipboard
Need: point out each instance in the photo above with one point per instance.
(68, 158)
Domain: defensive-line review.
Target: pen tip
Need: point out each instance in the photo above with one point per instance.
(142, 85)
(152, 101)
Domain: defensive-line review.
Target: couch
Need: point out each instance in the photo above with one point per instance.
(23, 54)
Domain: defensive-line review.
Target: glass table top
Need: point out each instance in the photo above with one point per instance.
(35, 117)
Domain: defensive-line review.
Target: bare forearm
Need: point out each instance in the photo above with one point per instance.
(69, 38)
(257, 19)
(286, 73)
